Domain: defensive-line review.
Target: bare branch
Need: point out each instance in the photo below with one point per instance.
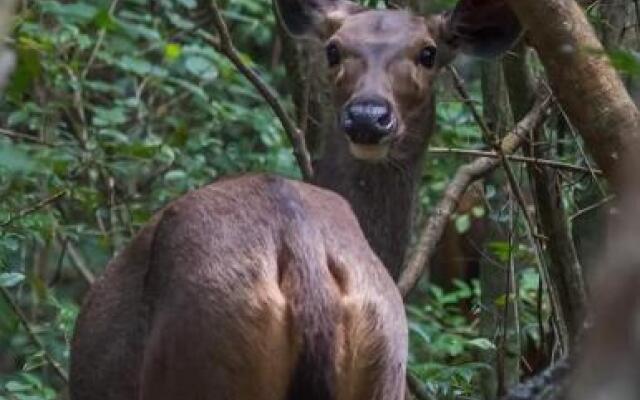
(77, 260)
(99, 41)
(34, 208)
(225, 46)
(430, 236)
(529, 160)
(21, 136)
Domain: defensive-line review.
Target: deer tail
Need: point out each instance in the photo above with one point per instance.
(314, 314)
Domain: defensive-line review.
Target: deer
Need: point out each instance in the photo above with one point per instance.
(258, 287)
(254, 287)
(381, 66)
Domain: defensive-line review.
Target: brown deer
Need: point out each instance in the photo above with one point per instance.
(251, 288)
(382, 65)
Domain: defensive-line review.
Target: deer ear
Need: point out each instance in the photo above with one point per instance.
(319, 18)
(481, 28)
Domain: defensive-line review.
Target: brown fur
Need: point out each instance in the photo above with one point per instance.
(251, 288)
(382, 193)
(379, 52)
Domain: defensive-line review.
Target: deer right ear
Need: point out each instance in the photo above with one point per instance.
(317, 18)
(481, 28)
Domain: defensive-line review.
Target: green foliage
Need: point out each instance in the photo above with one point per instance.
(444, 336)
(626, 61)
(442, 340)
(124, 111)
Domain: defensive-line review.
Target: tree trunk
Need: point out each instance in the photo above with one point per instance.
(585, 83)
(589, 228)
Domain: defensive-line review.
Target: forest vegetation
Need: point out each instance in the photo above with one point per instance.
(117, 107)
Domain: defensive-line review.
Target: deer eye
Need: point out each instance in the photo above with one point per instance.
(427, 57)
(333, 55)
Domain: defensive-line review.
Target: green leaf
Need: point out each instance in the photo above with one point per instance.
(104, 20)
(175, 175)
(11, 279)
(172, 51)
(109, 116)
(188, 3)
(16, 387)
(201, 67)
(463, 223)
(626, 61)
(139, 66)
(500, 249)
(35, 360)
(15, 160)
(481, 343)
(79, 12)
(478, 211)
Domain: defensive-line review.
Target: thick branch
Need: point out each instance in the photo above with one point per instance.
(430, 236)
(585, 83)
(225, 46)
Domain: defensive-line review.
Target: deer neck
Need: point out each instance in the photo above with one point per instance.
(383, 195)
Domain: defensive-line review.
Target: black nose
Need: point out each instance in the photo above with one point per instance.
(368, 121)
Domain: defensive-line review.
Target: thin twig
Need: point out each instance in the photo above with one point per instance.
(58, 271)
(31, 209)
(224, 45)
(99, 41)
(489, 136)
(32, 335)
(428, 240)
(518, 158)
(592, 207)
(77, 261)
(576, 138)
(21, 136)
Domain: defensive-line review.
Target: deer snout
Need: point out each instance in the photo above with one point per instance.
(369, 121)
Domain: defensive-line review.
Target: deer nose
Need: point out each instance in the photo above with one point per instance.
(368, 121)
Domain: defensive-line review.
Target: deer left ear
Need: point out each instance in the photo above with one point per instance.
(314, 18)
(481, 28)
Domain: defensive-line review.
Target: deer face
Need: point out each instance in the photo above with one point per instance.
(382, 63)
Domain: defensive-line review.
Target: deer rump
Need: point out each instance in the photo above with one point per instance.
(251, 288)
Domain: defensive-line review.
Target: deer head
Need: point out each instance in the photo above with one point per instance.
(383, 63)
